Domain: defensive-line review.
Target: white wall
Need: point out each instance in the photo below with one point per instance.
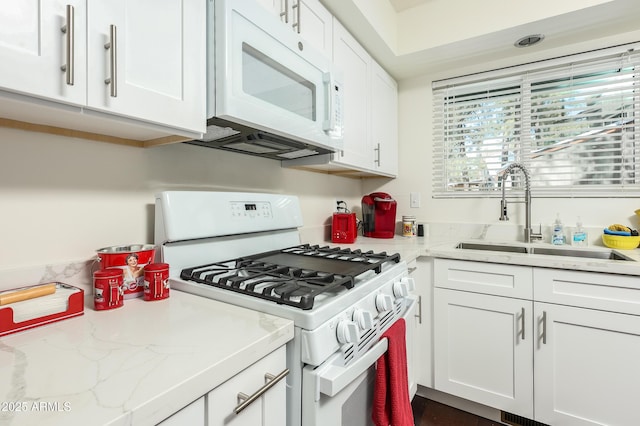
(415, 140)
(62, 198)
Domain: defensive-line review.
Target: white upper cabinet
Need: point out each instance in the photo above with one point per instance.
(384, 121)
(152, 61)
(34, 48)
(370, 110)
(356, 66)
(309, 18)
(141, 63)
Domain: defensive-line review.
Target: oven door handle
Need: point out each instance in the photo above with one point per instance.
(333, 378)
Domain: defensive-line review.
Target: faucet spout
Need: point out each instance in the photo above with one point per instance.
(502, 174)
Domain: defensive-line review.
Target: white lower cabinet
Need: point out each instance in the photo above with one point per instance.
(421, 271)
(218, 407)
(270, 409)
(587, 369)
(568, 355)
(484, 349)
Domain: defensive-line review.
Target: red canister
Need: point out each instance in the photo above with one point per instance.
(130, 260)
(108, 292)
(156, 281)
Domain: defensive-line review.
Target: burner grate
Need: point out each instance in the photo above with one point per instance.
(292, 276)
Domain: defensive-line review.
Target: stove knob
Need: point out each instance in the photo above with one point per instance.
(347, 332)
(410, 282)
(384, 302)
(400, 289)
(363, 318)
(403, 287)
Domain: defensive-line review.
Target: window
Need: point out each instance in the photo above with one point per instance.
(570, 121)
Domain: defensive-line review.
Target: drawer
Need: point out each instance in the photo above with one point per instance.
(488, 278)
(607, 292)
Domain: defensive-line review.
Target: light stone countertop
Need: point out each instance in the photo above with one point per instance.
(441, 241)
(134, 365)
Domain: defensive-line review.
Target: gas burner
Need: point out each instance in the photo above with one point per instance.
(292, 276)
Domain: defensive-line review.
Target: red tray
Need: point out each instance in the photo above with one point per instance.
(75, 307)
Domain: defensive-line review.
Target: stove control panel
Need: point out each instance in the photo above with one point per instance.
(251, 210)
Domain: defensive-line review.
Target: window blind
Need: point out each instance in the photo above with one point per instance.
(572, 123)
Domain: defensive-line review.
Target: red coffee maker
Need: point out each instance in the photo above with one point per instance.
(344, 227)
(379, 215)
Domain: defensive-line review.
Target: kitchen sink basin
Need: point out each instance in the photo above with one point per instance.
(493, 247)
(547, 251)
(592, 254)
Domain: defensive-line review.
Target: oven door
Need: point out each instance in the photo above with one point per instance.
(266, 78)
(336, 395)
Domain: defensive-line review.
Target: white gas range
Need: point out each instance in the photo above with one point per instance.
(244, 249)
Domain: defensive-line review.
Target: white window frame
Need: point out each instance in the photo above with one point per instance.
(573, 121)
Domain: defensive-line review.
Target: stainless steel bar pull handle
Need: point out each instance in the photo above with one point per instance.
(419, 314)
(112, 45)
(69, 30)
(285, 13)
(522, 323)
(245, 400)
(377, 150)
(296, 24)
(544, 327)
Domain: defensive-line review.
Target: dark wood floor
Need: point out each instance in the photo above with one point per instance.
(431, 413)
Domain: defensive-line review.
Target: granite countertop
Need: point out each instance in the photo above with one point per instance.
(137, 364)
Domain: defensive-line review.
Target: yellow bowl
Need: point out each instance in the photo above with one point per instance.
(621, 242)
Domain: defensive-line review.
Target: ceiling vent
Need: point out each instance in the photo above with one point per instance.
(529, 40)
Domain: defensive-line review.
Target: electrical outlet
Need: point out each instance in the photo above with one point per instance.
(414, 198)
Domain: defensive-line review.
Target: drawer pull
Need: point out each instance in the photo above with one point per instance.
(112, 45)
(245, 400)
(419, 314)
(69, 30)
(285, 14)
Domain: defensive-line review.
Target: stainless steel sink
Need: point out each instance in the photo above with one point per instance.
(492, 247)
(592, 254)
(547, 251)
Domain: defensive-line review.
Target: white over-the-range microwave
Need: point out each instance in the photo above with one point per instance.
(269, 93)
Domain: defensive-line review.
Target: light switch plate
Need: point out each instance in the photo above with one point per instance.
(414, 198)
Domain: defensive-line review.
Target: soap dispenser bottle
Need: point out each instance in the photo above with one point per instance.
(557, 238)
(579, 235)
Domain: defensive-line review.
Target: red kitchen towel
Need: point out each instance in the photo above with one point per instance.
(391, 403)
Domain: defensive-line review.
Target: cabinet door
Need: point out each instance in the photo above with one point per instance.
(276, 7)
(355, 64)
(309, 18)
(483, 349)
(384, 121)
(587, 370)
(423, 347)
(154, 66)
(314, 24)
(268, 410)
(192, 415)
(33, 49)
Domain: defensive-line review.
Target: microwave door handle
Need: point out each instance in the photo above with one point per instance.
(329, 123)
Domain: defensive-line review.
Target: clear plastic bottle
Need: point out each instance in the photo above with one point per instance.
(579, 235)
(557, 237)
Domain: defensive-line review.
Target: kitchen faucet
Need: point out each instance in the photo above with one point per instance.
(502, 174)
